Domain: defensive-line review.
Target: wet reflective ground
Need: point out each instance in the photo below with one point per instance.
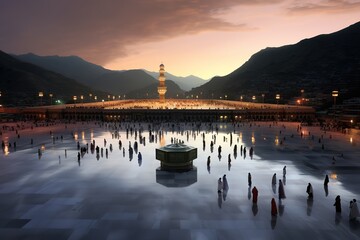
(116, 197)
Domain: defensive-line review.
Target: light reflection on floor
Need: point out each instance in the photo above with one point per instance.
(117, 198)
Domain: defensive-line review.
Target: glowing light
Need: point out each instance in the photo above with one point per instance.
(253, 140)
(333, 176)
(76, 136)
(277, 141)
(351, 140)
(82, 135)
(6, 150)
(43, 147)
(91, 134)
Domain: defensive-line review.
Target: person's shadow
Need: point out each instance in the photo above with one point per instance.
(326, 189)
(281, 208)
(309, 206)
(219, 199)
(255, 209)
(274, 188)
(273, 221)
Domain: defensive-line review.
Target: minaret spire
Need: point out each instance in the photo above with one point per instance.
(162, 87)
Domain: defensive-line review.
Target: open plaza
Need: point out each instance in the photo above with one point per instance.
(47, 192)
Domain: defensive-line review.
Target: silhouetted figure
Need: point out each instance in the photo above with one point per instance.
(208, 161)
(337, 204)
(255, 195)
(284, 171)
(249, 179)
(229, 159)
(273, 180)
(326, 181)
(281, 190)
(225, 183)
(309, 191)
(220, 185)
(354, 210)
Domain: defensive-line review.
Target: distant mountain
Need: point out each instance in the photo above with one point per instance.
(91, 75)
(173, 91)
(185, 83)
(70, 66)
(318, 65)
(21, 82)
(116, 82)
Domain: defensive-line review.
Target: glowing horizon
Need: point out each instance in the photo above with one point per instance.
(205, 39)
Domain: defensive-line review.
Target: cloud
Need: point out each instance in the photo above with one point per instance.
(325, 6)
(101, 30)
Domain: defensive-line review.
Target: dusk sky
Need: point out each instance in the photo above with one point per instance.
(199, 37)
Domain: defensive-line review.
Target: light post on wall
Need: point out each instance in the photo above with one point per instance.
(335, 94)
(74, 98)
(82, 98)
(90, 96)
(277, 97)
(254, 98)
(41, 95)
(263, 97)
(51, 96)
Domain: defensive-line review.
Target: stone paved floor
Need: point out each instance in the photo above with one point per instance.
(115, 198)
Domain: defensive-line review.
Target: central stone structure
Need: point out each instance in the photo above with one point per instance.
(176, 157)
(162, 87)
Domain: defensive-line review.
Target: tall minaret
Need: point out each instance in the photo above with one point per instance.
(162, 88)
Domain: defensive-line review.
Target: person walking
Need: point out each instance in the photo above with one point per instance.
(281, 190)
(220, 185)
(309, 191)
(249, 179)
(255, 193)
(326, 181)
(274, 210)
(225, 183)
(273, 181)
(337, 204)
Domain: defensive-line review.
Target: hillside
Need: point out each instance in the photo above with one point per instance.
(95, 76)
(21, 82)
(318, 65)
(185, 83)
(71, 66)
(173, 91)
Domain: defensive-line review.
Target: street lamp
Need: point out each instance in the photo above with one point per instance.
(263, 97)
(82, 98)
(335, 94)
(51, 96)
(241, 98)
(95, 98)
(41, 95)
(254, 98)
(74, 98)
(277, 96)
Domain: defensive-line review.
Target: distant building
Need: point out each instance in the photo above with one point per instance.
(162, 87)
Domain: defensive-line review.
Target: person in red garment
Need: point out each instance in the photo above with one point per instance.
(274, 211)
(255, 194)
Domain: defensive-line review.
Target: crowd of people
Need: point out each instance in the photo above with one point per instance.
(154, 132)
